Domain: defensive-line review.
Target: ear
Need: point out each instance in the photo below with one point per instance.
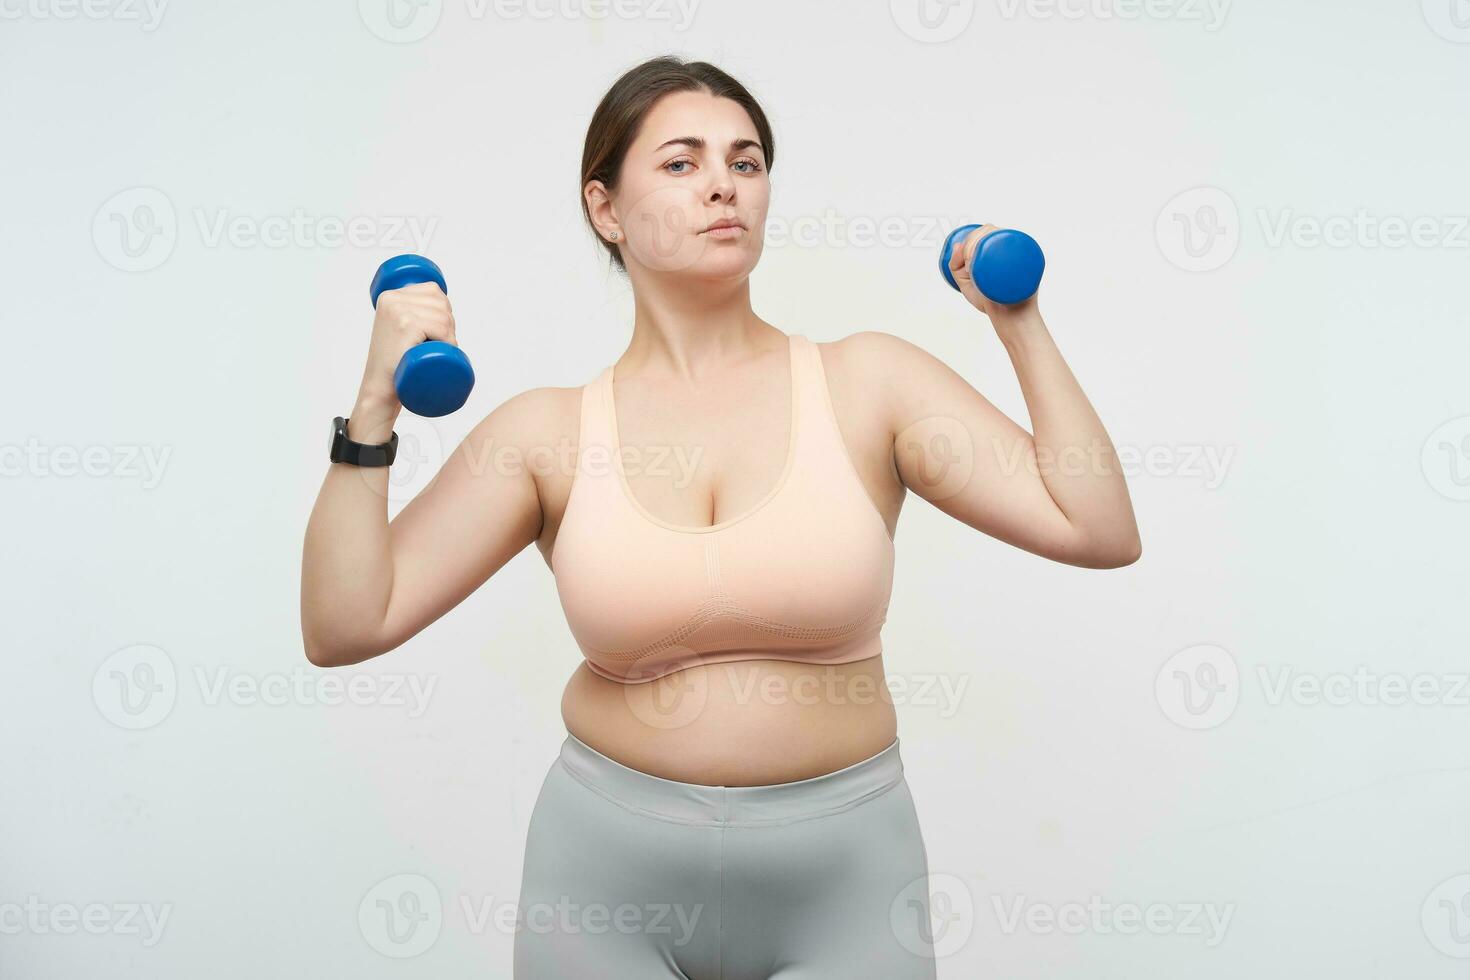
(600, 207)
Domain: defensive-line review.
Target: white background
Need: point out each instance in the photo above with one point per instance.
(1122, 737)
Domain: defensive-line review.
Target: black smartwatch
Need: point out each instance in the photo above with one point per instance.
(344, 450)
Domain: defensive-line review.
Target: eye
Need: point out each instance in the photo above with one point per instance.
(679, 162)
(754, 165)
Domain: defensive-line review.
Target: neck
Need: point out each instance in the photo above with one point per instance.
(691, 330)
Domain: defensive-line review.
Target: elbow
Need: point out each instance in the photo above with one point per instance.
(1109, 552)
(320, 653)
(1124, 556)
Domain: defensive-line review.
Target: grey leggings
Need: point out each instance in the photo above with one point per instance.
(629, 876)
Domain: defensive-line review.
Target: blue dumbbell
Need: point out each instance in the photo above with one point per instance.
(433, 378)
(1007, 266)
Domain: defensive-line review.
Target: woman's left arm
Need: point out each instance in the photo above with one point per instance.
(1059, 492)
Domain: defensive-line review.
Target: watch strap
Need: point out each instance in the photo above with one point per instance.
(344, 450)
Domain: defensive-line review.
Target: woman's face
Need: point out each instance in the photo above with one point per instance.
(696, 161)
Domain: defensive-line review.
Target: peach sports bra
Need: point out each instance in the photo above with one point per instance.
(805, 575)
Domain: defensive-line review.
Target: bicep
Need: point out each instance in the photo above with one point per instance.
(481, 510)
(953, 447)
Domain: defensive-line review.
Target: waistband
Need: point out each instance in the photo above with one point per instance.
(775, 803)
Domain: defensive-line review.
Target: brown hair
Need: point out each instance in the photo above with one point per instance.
(619, 115)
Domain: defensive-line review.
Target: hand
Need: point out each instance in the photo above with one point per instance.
(405, 317)
(959, 267)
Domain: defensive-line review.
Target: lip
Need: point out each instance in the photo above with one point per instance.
(725, 223)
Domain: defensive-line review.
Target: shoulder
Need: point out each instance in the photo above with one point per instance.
(535, 420)
(874, 354)
(880, 364)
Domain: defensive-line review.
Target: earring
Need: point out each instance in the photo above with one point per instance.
(613, 236)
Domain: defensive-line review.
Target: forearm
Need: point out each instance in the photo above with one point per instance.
(347, 561)
(1073, 453)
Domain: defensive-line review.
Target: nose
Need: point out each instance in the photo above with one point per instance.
(721, 189)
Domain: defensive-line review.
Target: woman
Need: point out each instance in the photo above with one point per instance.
(729, 801)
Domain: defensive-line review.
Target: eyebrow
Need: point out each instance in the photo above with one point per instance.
(698, 143)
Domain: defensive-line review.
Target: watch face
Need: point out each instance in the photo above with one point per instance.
(339, 430)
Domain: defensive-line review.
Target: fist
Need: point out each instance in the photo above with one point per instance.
(960, 261)
(405, 317)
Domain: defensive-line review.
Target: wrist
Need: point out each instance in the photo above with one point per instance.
(372, 418)
(1017, 324)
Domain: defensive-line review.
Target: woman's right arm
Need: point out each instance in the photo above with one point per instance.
(367, 585)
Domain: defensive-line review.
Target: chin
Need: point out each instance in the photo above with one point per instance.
(726, 263)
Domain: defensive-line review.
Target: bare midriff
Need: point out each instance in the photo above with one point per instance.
(739, 723)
